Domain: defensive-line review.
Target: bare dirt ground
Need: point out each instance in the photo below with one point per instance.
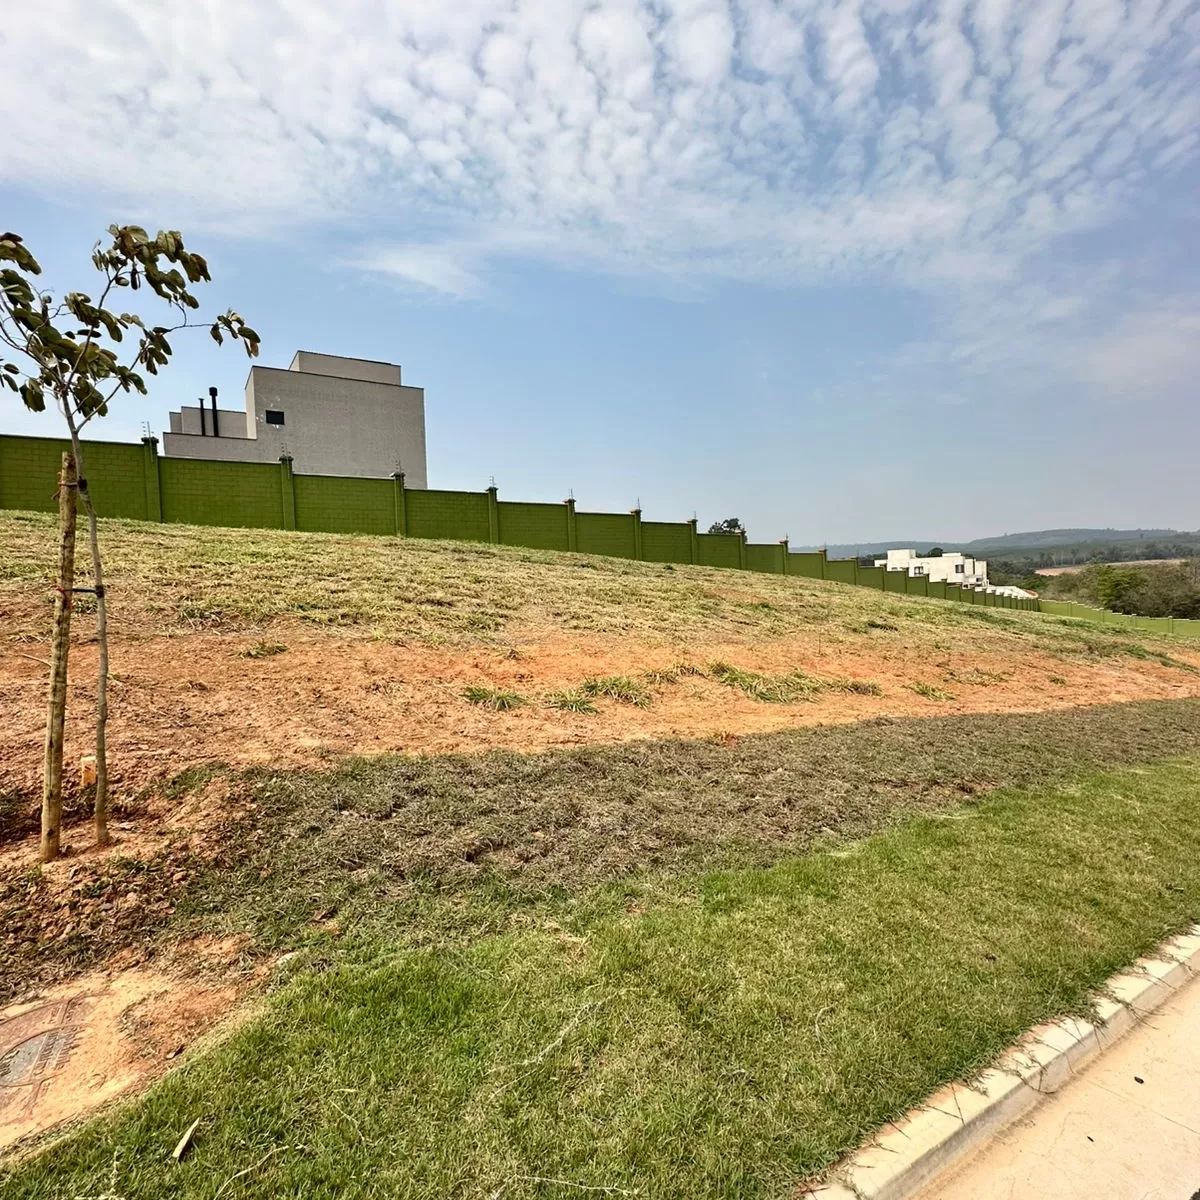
(185, 701)
(74, 1047)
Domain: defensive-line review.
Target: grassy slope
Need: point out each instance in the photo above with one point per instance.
(610, 965)
(174, 580)
(711, 1034)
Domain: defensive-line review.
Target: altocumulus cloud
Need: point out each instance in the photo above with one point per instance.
(767, 140)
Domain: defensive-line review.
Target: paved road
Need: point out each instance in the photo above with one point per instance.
(1126, 1128)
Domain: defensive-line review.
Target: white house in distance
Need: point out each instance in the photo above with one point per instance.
(954, 567)
(332, 415)
(949, 568)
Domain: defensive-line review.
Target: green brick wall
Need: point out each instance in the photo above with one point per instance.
(539, 526)
(332, 504)
(124, 479)
(198, 491)
(115, 471)
(719, 550)
(843, 570)
(938, 589)
(765, 557)
(461, 515)
(666, 542)
(809, 564)
(605, 533)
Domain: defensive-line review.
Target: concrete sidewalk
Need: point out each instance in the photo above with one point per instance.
(1127, 1127)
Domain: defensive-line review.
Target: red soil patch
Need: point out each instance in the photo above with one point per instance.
(76, 1046)
(185, 701)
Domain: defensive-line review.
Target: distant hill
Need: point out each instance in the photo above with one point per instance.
(1045, 538)
(1009, 543)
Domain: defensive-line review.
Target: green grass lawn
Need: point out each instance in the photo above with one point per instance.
(702, 1033)
(440, 849)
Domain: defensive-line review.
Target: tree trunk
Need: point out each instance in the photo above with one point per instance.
(100, 810)
(60, 645)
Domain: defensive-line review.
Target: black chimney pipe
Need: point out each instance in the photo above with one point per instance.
(212, 391)
(203, 431)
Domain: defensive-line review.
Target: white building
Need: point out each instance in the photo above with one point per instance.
(948, 568)
(333, 415)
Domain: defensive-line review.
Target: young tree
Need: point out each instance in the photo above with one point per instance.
(70, 353)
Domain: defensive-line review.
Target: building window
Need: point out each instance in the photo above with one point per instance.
(958, 568)
(273, 416)
(918, 570)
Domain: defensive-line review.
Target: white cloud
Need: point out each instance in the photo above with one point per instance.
(773, 140)
(444, 269)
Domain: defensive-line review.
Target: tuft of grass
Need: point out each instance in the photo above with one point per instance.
(731, 1030)
(875, 623)
(929, 691)
(1057, 679)
(495, 698)
(569, 701)
(768, 689)
(264, 649)
(662, 675)
(859, 687)
(976, 676)
(617, 687)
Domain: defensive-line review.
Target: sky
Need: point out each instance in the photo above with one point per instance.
(846, 269)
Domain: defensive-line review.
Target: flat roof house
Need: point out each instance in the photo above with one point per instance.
(333, 415)
(953, 567)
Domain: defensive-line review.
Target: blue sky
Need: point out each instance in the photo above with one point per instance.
(848, 269)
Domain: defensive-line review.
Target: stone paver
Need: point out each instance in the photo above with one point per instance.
(1127, 1127)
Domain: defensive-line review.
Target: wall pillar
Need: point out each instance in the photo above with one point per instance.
(153, 481)
(636, 514)
(824, 559)
(572, 536)
(399, 506)
(288, 484)
(783, 556)
(695, 540)
(742, 550)
(493, 515)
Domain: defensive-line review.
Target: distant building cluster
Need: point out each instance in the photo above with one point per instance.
(951, 567)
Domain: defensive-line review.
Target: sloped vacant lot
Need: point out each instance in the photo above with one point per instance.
(521, 875)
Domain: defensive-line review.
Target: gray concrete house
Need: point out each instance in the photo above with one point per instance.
(333, 415)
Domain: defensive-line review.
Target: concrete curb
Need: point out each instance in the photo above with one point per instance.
(908, 1153)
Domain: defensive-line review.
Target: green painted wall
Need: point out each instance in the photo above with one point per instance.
(115, 472)
(198, 491)
(540, 526)
(810, 564)
(667, 541)
(605, 533)
(128, 481)
(459, 515)
(333, 504)
(766, 557)
(719, 550)
(843, 570)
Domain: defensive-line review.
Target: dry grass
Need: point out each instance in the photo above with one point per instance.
(175, 579)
